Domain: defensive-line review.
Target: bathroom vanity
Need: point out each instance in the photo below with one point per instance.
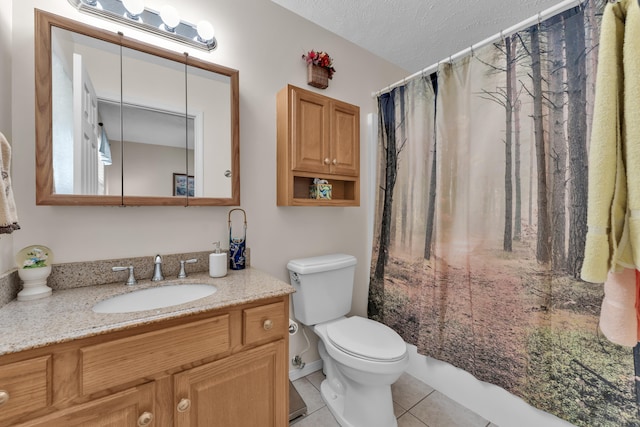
(217, 361)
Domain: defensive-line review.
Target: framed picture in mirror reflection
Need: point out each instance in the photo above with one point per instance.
(183, 185)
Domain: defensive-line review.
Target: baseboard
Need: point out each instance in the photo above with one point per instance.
(309, 368)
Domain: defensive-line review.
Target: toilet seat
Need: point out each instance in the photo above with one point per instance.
(366, 339)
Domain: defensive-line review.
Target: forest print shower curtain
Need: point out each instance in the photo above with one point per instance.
(481, 221)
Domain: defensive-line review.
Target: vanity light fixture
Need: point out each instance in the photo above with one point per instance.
(134, 8)
(165, 23)
(205, 32)
(170, 18)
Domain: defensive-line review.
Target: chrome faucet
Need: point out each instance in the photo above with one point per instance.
(157, 269)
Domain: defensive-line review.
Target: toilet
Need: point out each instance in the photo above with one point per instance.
(361, 357)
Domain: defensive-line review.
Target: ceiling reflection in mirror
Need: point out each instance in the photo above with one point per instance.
(125, 122)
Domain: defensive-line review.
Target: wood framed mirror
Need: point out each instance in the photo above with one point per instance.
(117, 120)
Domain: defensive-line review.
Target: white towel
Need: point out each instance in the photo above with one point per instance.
(8, 214)
(618, 321)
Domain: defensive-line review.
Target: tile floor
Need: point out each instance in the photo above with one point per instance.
(415, 405)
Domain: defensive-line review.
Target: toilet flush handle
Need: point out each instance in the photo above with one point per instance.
(295, 277)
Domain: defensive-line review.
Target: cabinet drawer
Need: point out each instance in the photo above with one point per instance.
(124, 409)
(264, 323)
(27, 385)
(124, 360)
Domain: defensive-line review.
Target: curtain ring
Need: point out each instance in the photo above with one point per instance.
(539, 20)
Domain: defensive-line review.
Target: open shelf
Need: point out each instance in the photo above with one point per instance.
(344, 192)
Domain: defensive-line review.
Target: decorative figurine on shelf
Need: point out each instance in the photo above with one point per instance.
(319, 68)
(34, 267)
(320, 189)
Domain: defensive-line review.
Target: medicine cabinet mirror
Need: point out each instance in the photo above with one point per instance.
(120, 122)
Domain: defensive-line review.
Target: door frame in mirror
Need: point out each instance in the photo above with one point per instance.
(45, 194)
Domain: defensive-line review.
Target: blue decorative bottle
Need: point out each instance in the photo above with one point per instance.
(237, 243)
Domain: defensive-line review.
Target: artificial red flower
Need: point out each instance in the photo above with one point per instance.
(321, 59)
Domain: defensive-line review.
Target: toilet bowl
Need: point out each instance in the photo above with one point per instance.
(361, 357)
(359, 374)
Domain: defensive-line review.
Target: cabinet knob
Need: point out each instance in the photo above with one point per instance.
(335, 162)
(267, 325)
(4, 397)
(145, 419)
(327, 161)
(184, 405)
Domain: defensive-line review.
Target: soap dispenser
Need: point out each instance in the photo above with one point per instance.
(218, 262)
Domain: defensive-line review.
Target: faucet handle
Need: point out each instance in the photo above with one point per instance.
(183, 273)
(132, 279)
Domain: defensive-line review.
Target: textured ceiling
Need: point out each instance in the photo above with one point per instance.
(415, 34)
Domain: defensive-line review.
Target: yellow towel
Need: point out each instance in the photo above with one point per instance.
(612, 250)
(8, 215)
(607, 185)
(631, 127)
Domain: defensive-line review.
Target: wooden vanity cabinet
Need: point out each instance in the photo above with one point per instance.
(318, 137)
(222, 368)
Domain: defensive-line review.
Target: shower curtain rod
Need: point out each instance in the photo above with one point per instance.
(552, 11)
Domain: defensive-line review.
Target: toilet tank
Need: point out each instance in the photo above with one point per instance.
(324, 287)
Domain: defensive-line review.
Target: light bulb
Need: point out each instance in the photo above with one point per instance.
(205, 31)
(134, 8)
(170, 17)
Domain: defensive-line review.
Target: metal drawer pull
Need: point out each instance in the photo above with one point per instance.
(184, 405)
(4, 397)
(145, 419)
(267, 325)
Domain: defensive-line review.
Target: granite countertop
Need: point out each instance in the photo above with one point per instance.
(66, 315)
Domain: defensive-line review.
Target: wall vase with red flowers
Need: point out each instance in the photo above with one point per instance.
(319, 68)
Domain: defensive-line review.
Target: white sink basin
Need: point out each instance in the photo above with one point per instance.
(153, 298)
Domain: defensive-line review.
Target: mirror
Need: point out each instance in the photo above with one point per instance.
(119, 122)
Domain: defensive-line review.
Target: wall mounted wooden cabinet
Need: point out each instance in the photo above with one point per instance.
(318, 137)
(229, 370)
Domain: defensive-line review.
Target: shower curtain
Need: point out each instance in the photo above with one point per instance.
(481, 220)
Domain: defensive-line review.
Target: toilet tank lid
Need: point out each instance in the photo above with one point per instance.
(321, 263)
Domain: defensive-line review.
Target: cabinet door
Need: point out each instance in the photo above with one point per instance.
(310, 132)
(345, 139)
(247, 389)
(133, 407)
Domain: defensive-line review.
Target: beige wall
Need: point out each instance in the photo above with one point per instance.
(265, 43)
(6, 241)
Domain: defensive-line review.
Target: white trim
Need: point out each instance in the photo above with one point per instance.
(487, 400)
(198, 153)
